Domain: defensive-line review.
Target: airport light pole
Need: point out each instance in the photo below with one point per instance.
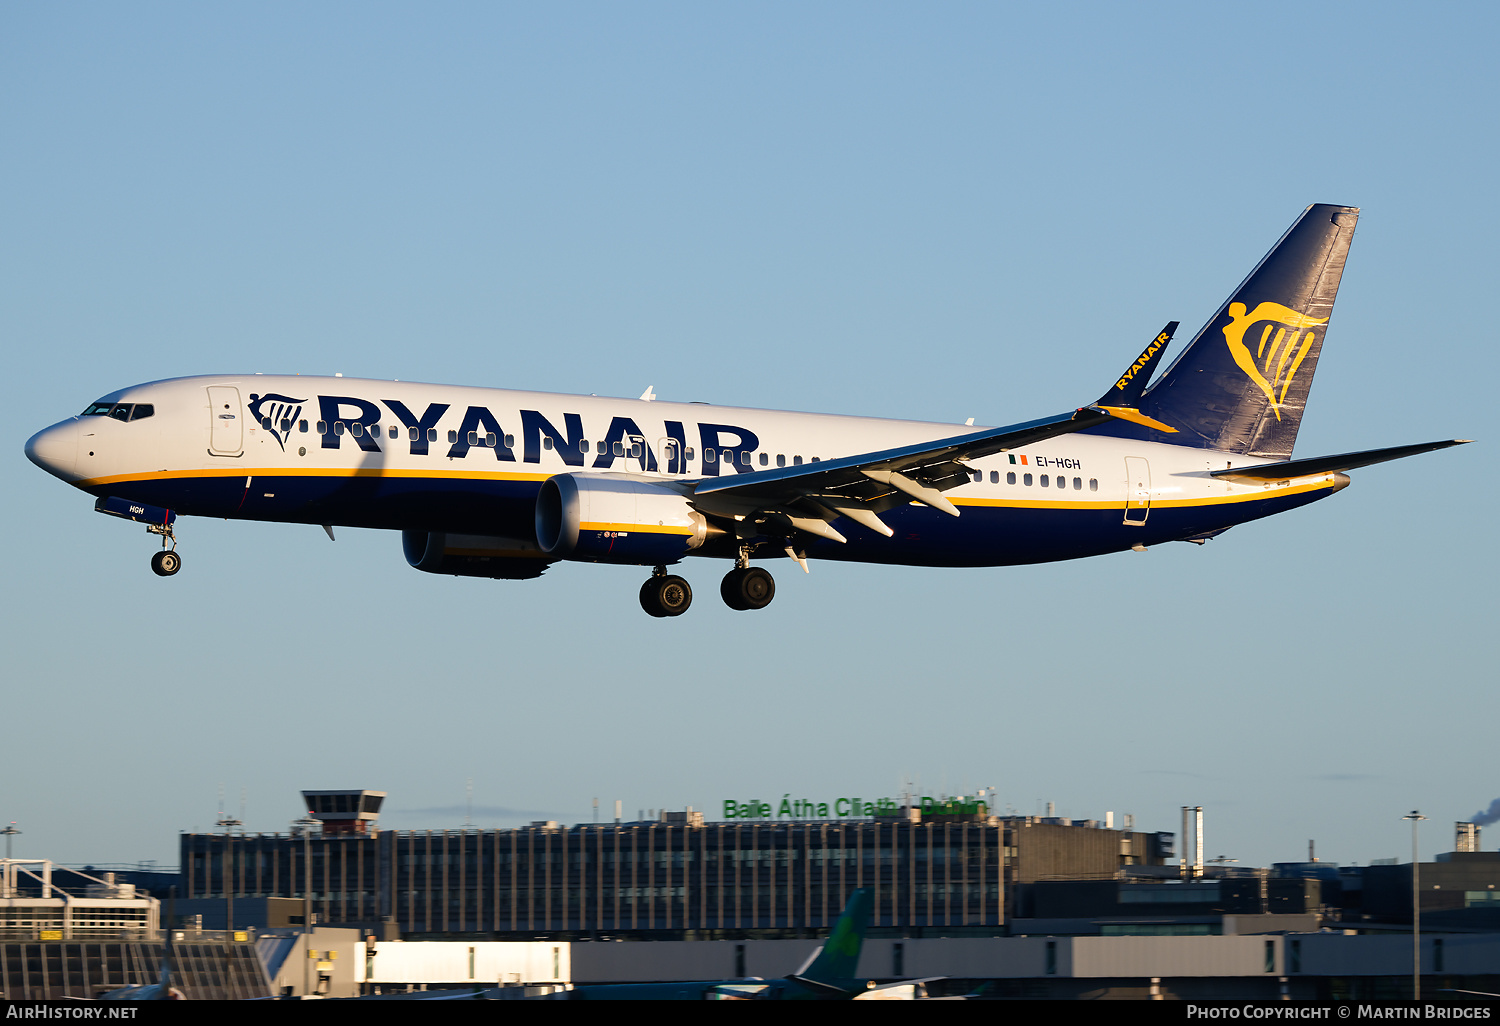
(1416, 910)
(227, 867)
(306, 823)
(9, 832)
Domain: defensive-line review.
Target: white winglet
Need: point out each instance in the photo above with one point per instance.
(648, 395)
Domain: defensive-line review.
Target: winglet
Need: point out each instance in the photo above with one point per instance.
(1127, 391)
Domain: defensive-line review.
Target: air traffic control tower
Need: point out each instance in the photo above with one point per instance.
(345, 812)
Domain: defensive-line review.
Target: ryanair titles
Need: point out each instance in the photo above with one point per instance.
(360, 421)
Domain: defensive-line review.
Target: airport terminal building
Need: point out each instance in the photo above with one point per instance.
(678, 876)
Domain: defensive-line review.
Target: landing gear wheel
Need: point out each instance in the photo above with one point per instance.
(166, 563)
(747, 588)
(666, 596)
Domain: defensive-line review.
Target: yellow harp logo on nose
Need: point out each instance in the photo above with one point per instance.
(1274, 363)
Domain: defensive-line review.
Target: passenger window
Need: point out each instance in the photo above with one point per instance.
(1026, 480)
(393, 431)
(635, 450)
(1062, 482)
(490, 439)
(603, 448)
(1044, 481)
(356, 429)
(815, 459)
(286, 425)
(510, 441)
(338, 427)
(302, 426)
(142, 411)
(473, 437)
(432, 434)
(689, 454)
(322, 427)
(978, 476)
(994, 477)
(744, 459)
(1010, 477)
(453, 437)
(547, 442)
(708, 456)
(1078, 484)
(265, 422)
(765, 458)
(780, 460)
(796, 461)
(1093, 484)
(413, 434)
(619, 448)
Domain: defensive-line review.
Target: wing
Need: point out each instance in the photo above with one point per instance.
(861, 487)
(808, 498)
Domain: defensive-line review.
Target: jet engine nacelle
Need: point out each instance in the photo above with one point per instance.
(607, 519)
(473, 555)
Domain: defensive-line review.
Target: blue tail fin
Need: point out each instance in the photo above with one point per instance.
(1242, 384)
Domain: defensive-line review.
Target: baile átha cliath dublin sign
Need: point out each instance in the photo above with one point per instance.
(852, 808)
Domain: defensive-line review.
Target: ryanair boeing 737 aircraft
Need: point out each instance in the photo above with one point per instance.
(495, 483)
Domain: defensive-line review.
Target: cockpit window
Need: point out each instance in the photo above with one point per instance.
(120, 411)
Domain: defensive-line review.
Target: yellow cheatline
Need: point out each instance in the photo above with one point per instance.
(636, 528)
(1156, 503)
(341, 474)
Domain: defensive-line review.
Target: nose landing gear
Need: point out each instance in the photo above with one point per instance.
(166, 562)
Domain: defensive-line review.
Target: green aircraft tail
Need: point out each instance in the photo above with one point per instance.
(837, 961)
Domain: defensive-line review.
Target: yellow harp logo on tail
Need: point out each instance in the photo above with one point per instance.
(1276, 359)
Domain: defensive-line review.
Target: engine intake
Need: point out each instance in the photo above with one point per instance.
(607, 519)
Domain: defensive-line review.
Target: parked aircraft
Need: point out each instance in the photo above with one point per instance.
(827, 975)
(497, 483)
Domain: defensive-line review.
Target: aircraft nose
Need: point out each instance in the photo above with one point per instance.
(55, 449)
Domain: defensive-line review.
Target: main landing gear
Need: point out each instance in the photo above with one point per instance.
(665, 594)
(747, 587)
(744, 587)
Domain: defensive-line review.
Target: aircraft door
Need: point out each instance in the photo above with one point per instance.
(226, 418)
(669, 453)
(1137, 490)
(637, 455)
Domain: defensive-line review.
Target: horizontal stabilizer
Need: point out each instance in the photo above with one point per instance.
(1332, 464)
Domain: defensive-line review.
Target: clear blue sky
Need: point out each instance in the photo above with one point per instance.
(913, 210)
